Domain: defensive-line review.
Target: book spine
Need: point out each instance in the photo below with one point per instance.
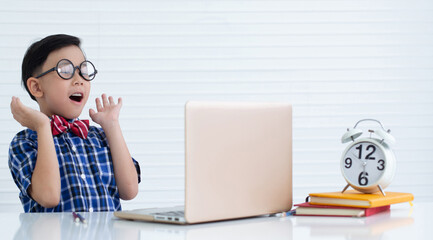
(372, 211)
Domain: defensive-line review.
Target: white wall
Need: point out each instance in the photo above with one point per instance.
(335, 61)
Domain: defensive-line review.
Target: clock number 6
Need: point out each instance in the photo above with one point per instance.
(362, 179)
(381, 166)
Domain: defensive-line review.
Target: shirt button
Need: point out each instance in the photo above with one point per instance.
(91, 209)
(83, 176)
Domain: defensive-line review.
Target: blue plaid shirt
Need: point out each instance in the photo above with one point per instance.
(86, 171)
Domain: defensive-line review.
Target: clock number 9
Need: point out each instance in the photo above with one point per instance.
(348, 162)
(362, 179)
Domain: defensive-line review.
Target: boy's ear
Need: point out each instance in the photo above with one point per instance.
(34, 87)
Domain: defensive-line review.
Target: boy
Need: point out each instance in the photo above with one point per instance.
(60, 163)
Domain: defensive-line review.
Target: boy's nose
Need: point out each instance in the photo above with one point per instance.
(78, 82)
(77, 79)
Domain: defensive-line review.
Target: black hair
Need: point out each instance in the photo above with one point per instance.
(38, 52)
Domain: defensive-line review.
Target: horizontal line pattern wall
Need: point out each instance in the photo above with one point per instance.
(335, 61)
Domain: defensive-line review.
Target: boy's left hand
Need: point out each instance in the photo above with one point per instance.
(108, 111)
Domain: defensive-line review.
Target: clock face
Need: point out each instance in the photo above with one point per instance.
(363, 164)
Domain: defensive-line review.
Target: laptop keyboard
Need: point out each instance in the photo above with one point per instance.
(171, 213)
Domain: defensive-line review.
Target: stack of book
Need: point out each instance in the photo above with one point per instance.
(350, 203)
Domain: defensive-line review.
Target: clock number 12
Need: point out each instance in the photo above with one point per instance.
(369, 147)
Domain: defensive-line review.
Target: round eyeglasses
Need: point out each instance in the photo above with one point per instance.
(66, 70)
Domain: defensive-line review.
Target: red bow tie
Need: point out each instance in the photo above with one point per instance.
(78, 127)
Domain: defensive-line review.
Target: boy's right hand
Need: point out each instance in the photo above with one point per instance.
(28, 117)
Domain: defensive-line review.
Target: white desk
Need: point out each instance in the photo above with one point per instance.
(402, 222)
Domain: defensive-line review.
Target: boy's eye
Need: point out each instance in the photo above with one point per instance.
(65, 69)
(84, 70)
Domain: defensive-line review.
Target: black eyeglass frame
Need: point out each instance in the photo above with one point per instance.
(73, 71)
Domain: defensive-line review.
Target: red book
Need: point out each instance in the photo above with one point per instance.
(307, 209)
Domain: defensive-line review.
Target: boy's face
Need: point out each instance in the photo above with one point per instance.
(59, 96)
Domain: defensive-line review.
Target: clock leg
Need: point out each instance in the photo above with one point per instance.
(345, 188)
(381, 190)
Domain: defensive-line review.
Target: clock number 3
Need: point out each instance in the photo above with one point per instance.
(381, 166)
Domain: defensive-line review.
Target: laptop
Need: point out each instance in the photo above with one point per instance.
(238, 164)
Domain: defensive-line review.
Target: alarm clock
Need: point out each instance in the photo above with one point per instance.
(368, 163)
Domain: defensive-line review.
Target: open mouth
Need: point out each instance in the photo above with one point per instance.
(76, 97)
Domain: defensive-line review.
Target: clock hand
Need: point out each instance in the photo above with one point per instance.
(364, 163)
(356, 156)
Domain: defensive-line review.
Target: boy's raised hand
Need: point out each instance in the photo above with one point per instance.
(125, 172)
(107, 111)
(28, 117)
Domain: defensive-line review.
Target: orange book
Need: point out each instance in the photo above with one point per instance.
(352, 198)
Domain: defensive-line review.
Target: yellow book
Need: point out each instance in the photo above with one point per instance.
(352, 198)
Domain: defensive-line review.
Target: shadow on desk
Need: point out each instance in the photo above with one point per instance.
(372, 227)
(105, 226)
(49, 226)
(251, 228)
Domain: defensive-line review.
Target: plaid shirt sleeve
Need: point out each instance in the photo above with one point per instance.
(101, 135)
(86, 171)
(23, 152)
